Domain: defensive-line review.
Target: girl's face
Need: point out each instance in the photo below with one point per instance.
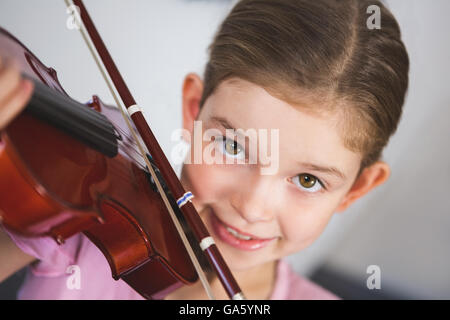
(257, 218)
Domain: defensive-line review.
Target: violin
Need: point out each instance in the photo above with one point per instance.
(68, 167)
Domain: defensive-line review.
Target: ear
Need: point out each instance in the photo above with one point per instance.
(369, 178)
(192, 94)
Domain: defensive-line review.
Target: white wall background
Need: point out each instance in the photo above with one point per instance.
(403, 226)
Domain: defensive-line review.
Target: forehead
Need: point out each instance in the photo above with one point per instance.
(303, 136)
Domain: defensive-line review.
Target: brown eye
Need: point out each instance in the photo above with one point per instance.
(232, 147)
(307, 182)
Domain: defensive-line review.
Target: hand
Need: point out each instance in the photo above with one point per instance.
(15, 92)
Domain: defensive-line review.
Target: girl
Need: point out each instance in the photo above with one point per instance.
(314, 72)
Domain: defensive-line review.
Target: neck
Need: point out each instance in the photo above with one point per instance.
(256, 284)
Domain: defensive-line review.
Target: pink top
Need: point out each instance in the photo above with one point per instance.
(54, 275)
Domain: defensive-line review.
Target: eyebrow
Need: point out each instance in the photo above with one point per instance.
(223, 122)
(227, 125)
(328, 170)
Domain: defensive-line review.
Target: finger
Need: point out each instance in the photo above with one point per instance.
(15, 103)
(9, 81)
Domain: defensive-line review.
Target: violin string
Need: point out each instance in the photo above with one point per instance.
(163, 195)
(129, 145)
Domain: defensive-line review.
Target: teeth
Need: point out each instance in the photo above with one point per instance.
(237, 234)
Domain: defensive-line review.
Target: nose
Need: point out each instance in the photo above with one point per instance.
(255, 201)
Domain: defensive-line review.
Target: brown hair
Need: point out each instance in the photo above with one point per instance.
(319, 49)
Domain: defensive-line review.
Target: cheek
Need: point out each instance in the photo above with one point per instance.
(303, 224)
(207, 182)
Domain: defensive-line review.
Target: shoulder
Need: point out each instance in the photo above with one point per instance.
(291, 286)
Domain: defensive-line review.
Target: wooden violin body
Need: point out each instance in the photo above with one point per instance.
(54, 185)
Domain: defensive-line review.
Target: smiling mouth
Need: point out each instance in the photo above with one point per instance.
(237, 234)
(236, 238)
